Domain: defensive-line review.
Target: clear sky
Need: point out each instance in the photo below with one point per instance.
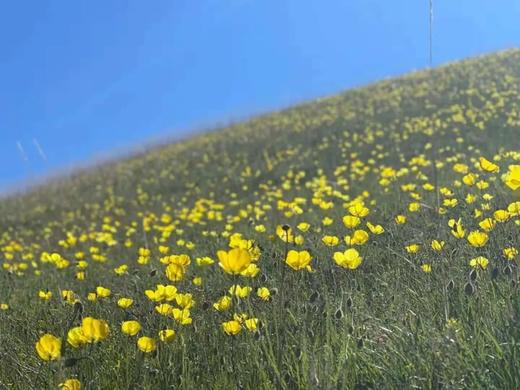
(86, 78)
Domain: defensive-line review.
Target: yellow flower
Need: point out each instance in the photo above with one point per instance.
(144, 252)
(470, 179)
(175, 272)
(263, 293)
(482, 185)
(167, 335)
(204, 261)
(235, 261)
(45, 295)
(427, 187)
(231, 328)
(349, 259)
(239, 291)
(470, 198)
(437, 245)
(48, 347)
(426, 267)
(480, 261)
(488, 166)
(251, 324)
(125, 303)
(359, 237)
(185, 301)
(514, 208)
(69, 296)
(102, 292)
(412, 248)
(453, 323)
(477, 239)
(121, 270)
(512, 177)
(240, 317)
(358, 210)
(82, 264)
(351, 221)
(450, 202)
(456, 228)
(152, 295)
(298, 260)
(414, 207)
(298, 240)
(146, 344)
(181, 260)
(501, 215)
(303, 226)
(510, 253)
(330, 240)
(260, 228)
(182, 316)
(487, 224)
(76, 338)
(223, 303)
(94, 330)
(400, 219)
(168, 292)
(251, 271)
(4, 306)
(375, 229)
(285, 233)
(163, 309)
(327, 221)
(130, 328)
(163, 249)
(461, 168)
(70, 384)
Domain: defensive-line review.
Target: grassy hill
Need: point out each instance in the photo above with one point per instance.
(374, 236)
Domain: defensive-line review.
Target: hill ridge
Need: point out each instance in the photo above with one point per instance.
(166, 141)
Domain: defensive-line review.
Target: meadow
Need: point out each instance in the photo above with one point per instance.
(364, 240)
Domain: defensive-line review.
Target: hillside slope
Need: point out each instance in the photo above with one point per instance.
(375, 234)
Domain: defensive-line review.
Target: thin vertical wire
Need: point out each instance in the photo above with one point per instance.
(430, 38)
(434, 143)
(434, 146)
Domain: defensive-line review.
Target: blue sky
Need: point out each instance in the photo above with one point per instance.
(86, 78)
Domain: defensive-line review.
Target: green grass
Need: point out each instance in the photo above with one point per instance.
(386, 324)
